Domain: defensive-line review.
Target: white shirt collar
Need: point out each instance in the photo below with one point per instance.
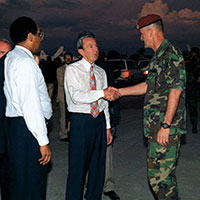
(86, 64)
(24, 49)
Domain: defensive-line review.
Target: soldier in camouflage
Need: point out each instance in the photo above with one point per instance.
(164, 107)
(193, 86)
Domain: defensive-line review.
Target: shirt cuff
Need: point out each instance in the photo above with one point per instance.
(100, 94)
(108, 126)
(43, 140)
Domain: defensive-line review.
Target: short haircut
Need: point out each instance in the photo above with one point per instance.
(20, 28)
(82, 35)
(159, 25)
(67, 53)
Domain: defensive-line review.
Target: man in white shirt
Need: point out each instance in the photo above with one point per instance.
(28, 105)
(89, 129)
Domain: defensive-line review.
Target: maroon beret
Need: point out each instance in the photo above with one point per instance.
(147, 20)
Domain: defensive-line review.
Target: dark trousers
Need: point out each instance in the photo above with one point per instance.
(27, 176)
(2, 135)
(4, 177)
(87, 150)
(4, 173)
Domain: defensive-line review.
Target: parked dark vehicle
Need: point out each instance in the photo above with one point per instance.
(125, 71)
(143, 65)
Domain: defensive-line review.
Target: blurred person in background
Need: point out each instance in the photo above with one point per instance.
(64, 114)
(193, 86)
(114, 110)
(5, 46)
(49, 72)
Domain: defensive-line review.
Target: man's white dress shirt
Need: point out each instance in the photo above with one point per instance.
(26, 92)
(78, 92)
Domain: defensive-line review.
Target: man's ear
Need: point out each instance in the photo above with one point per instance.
(30, 37)
(81, 52)
(151, 33)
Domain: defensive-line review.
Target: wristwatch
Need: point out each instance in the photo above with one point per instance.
(165, 125)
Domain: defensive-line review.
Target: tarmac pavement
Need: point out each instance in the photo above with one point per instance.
(129, 158)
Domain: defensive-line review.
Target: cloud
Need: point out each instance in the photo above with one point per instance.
(127, 22)
(157, 7)
(184, 16)
(112, 21)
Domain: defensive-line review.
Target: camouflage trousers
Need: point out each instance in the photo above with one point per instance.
(162, 162)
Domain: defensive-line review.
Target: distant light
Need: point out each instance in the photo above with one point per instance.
(126, 74)
(146, 72)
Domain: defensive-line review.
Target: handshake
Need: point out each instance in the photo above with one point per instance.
(111, 94)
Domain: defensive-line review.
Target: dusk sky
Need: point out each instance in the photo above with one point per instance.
(112, 21)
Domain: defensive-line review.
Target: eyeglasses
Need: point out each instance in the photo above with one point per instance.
(41, 35)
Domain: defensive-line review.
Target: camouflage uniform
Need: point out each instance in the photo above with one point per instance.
(193, 89)
(166, 71)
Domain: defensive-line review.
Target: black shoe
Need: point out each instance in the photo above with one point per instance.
(112, 195)
(194, 130)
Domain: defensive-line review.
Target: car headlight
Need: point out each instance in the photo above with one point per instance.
(145, 72)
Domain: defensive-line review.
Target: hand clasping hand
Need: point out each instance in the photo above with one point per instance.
(111, 94)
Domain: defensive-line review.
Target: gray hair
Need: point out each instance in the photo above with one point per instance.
(5, 41)
(82, 35)
(159, 26)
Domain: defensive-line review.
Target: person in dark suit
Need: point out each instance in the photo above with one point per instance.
(27, 106)
(4, 176)
(114, 110)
